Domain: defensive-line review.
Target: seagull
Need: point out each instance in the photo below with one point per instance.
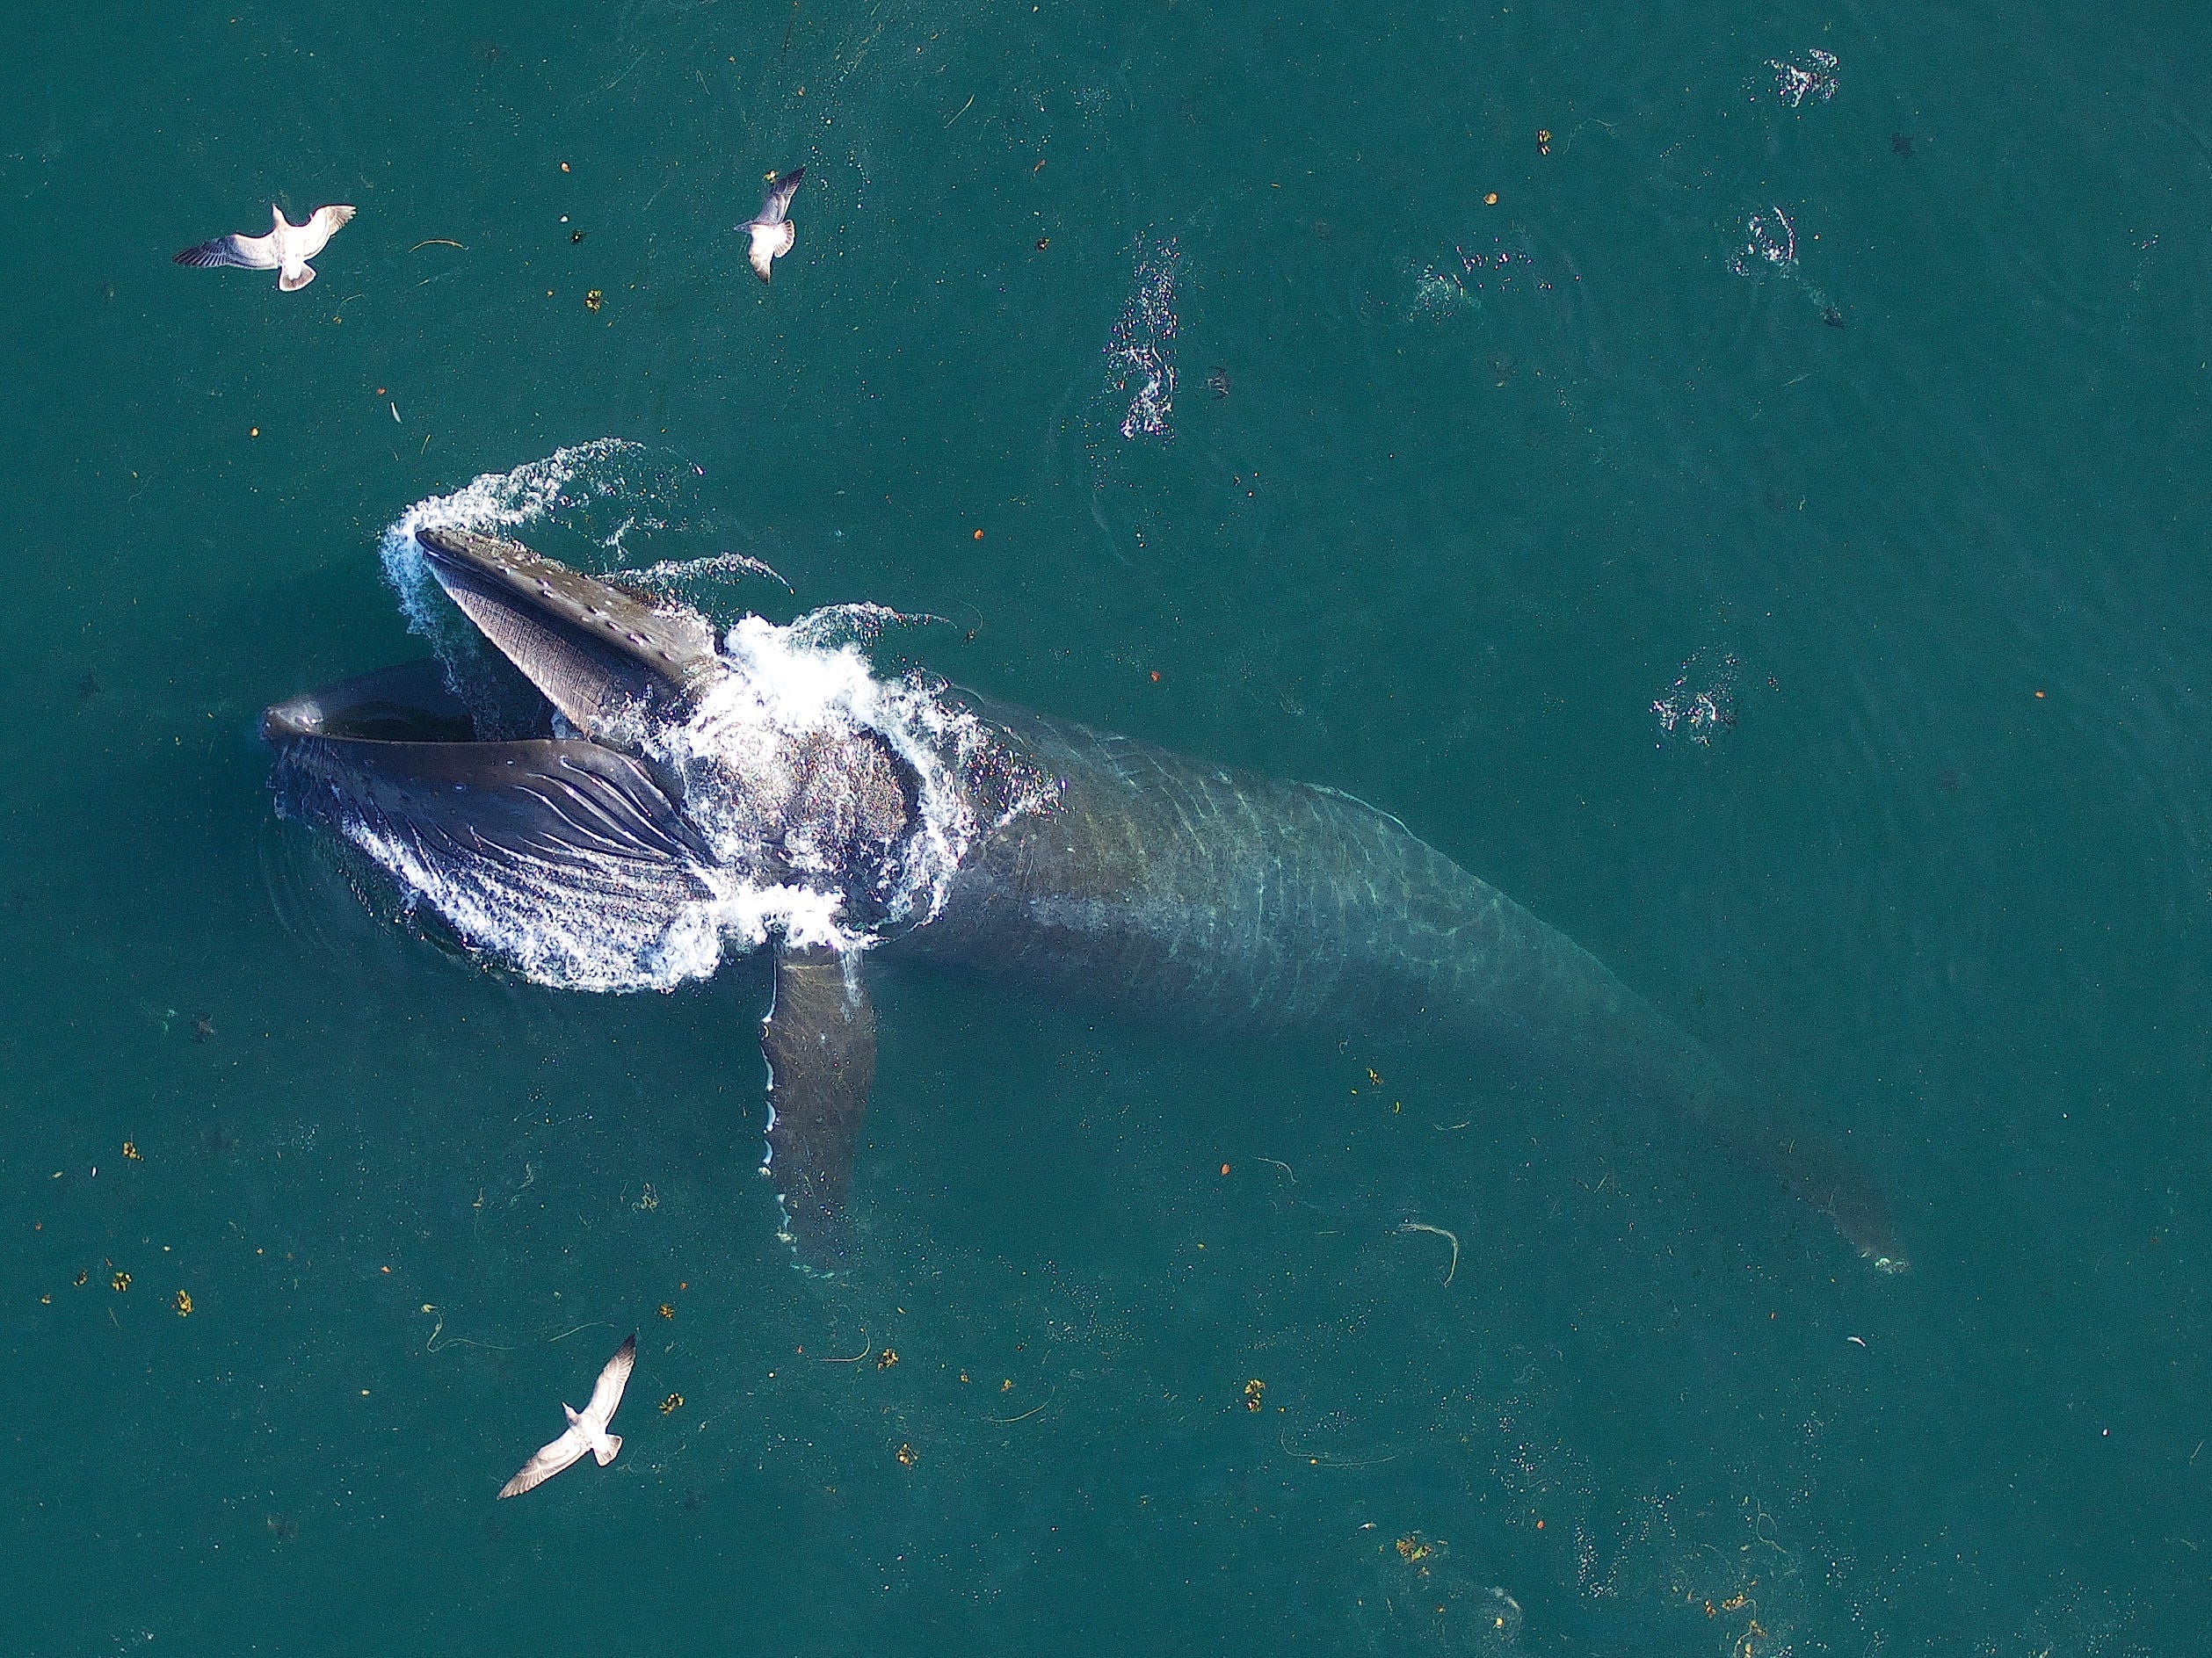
(287, 248)
(587, 1428)
(772, 231)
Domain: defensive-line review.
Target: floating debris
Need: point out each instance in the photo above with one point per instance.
(1503, 1615)
(1451, 1238)
(1217, 382)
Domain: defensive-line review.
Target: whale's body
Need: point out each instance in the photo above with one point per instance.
(1098, 868)
(1239, 904)
(1249, 905)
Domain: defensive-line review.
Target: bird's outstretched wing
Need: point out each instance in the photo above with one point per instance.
(606, 1393)
(248, 253)
(549, 1461)
(770, 243)
(775, 207)
(322, 225)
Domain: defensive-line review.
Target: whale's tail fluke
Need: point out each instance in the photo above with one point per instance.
(1625, 1042)
(1813, 1167)
(1771, 1135)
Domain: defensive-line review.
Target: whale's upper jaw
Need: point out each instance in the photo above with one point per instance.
(611, 662)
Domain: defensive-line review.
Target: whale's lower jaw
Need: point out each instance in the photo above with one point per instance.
(507, 841)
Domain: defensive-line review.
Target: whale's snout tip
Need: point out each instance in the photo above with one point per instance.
(461, 549)
(286, 721)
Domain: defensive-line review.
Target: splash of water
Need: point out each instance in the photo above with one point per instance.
(1770, 246)
(535, 492)
(1700, 703)
(1141, 353)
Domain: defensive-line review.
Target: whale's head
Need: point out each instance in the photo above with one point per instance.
(635, 806)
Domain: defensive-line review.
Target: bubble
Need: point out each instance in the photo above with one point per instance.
(1140, 354)
(1439, 295)
(1701, 702)
(1770, 243)
(1814, 78)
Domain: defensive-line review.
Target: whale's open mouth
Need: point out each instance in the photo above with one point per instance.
(640, 792)
(527, 844)
(392, 754)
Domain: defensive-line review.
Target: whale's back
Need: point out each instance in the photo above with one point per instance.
(1229, 903)
(1240, 902)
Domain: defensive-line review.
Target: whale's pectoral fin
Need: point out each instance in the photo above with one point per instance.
(819, 1040)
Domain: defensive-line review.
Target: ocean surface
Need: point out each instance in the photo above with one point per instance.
(1734, 479)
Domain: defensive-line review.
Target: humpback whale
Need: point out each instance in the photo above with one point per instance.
(665, 792)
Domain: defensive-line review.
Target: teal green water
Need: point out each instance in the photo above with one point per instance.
(1487, 480)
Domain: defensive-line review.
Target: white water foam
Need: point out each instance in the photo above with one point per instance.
(810, 681)
(1140, 354)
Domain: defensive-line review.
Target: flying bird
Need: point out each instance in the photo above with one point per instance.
(587, 1428)
(287, 248)
(772, 231)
